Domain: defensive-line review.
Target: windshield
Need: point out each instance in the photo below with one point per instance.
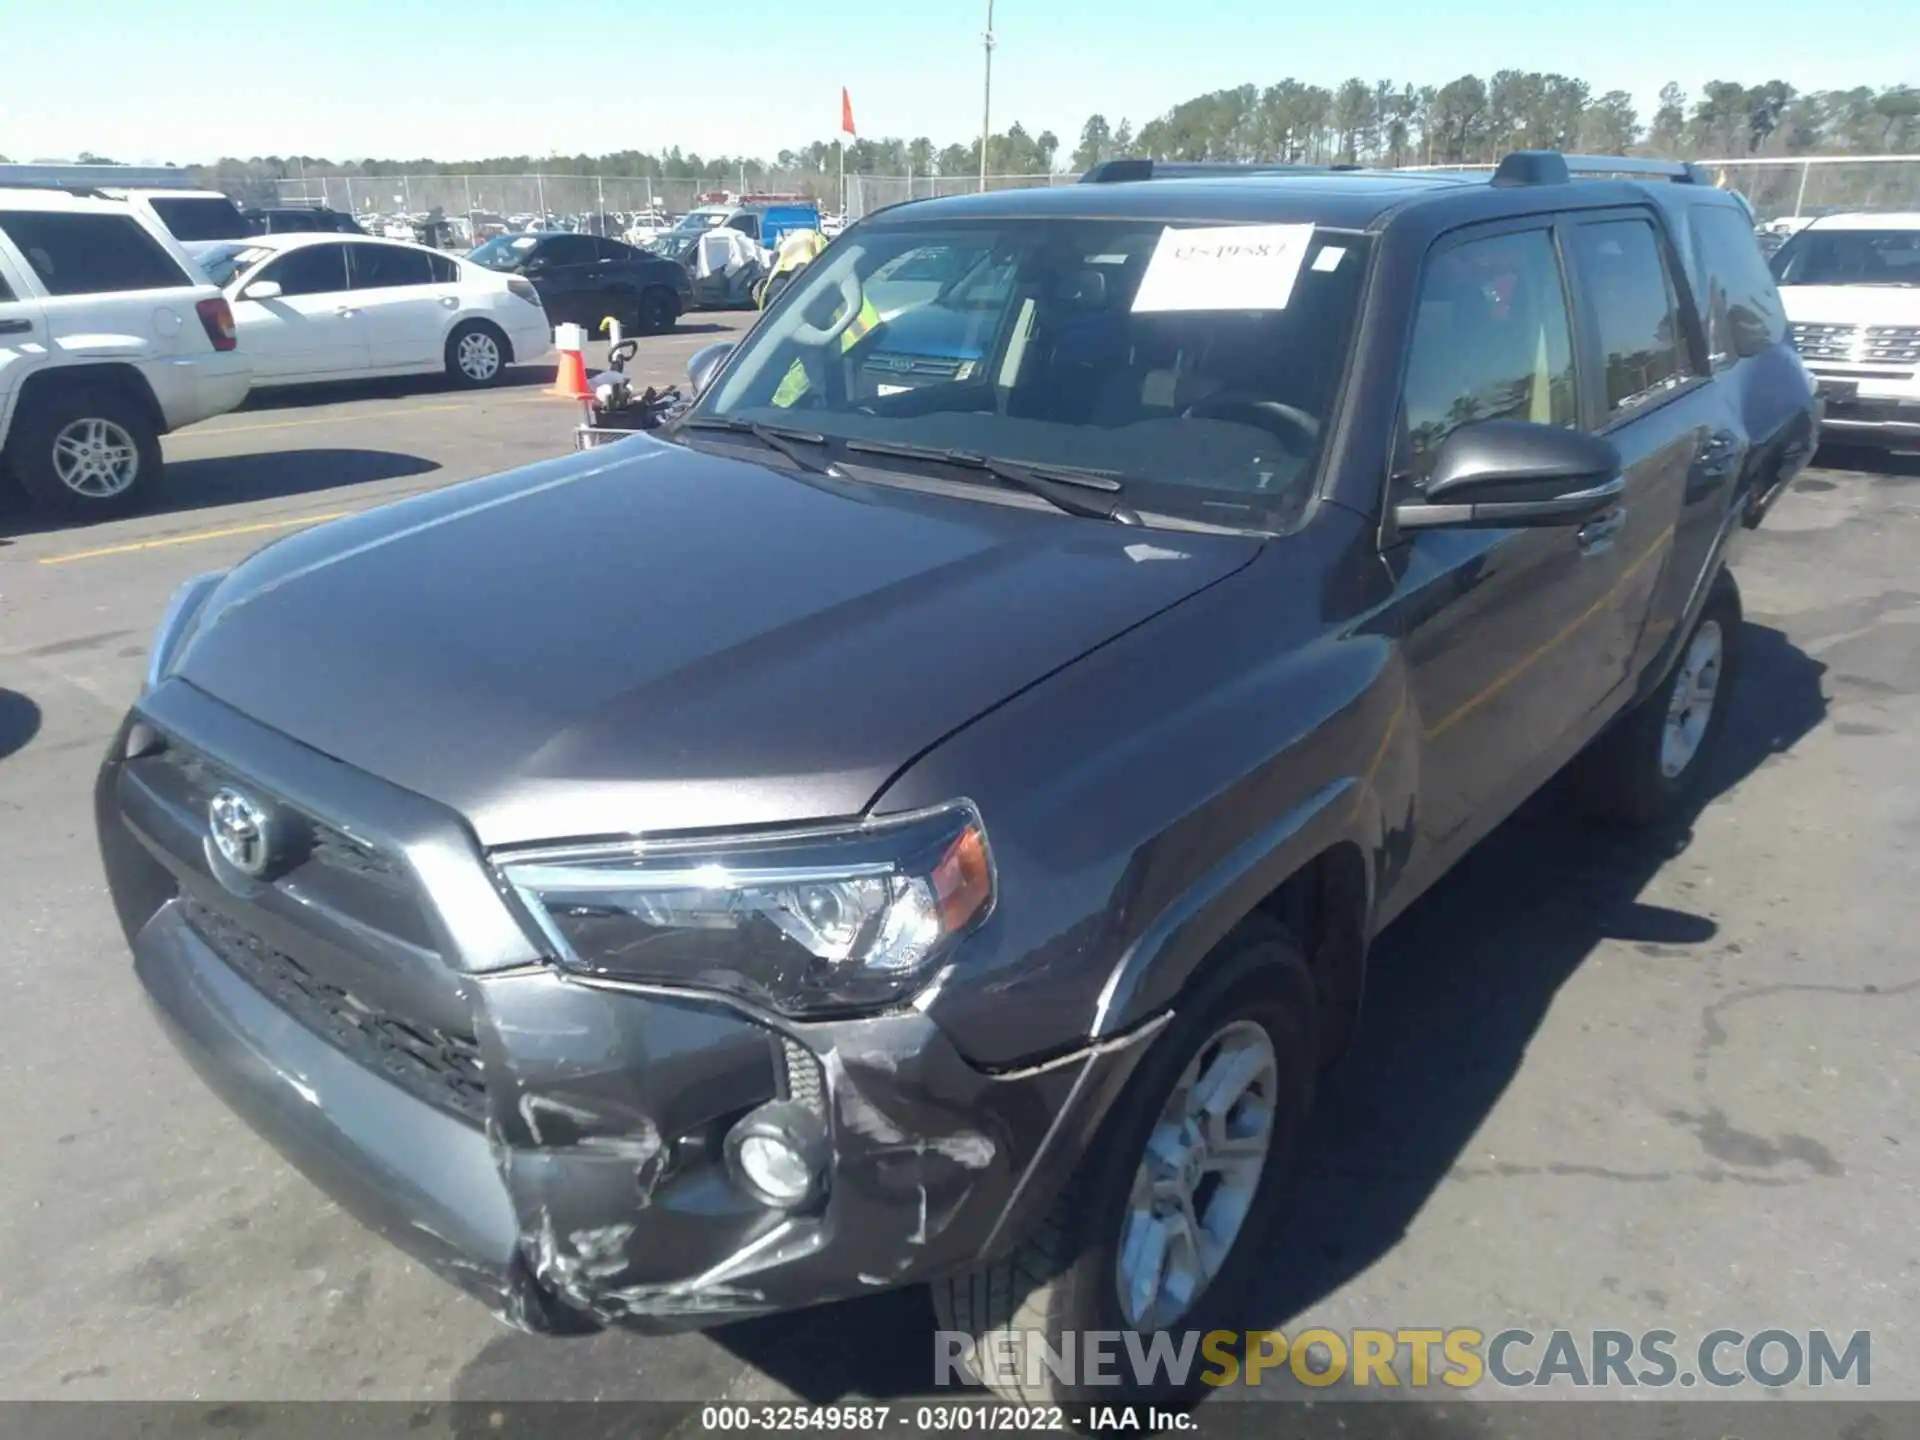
(701, 219)
(223, 263)
(503, 252)
(196, 217)
(1091, 345)
(1849, 257)
(671, 246)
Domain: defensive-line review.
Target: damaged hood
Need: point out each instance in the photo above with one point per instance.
(649, 638)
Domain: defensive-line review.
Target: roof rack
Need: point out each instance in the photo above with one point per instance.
(89, 177)
(1123, 171)
(1550, 167)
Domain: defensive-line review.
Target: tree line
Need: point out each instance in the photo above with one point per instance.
(1471, 119)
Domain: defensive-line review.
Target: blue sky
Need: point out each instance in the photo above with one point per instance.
(167, 80)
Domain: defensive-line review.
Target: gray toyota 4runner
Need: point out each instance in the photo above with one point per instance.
(921, 817)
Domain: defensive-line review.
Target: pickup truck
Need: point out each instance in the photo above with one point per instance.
(856, 838)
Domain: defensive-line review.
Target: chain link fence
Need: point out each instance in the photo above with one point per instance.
(505, 199)
(510, 199)
(1808, 186)
(867, 193)
(1775, 187)
(1805, 185)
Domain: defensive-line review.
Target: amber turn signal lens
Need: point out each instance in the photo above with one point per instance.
(963, 880)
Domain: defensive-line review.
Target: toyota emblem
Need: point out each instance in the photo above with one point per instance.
(240, 831)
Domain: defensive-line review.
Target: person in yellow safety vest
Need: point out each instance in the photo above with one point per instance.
(795, 383)
(797, 250)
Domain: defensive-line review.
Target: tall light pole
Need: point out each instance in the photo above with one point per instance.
(986, 103)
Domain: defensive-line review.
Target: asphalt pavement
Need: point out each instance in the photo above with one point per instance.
(1603, 1081)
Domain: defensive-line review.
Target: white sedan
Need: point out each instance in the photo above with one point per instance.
(338, 307)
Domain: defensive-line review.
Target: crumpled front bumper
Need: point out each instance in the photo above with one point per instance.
(596, 1191)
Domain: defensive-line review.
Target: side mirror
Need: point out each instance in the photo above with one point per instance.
(706, 363)
(262, 290)
(1499, 473)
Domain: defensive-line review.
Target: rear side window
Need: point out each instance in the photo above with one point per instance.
(210, 217)
(310, 270)
(1744, 314)
(1492, 341)
(614, 250)
(567, 250)
(6, 291)
(1641, 340)
(445, 272)
(92, 254)
(382, 267)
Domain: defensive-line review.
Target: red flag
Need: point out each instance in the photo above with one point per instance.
(846, 112)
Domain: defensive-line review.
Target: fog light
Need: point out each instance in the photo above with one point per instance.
(778, 1153)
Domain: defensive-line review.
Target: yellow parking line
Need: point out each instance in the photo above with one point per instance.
(203, 430)
(193, 536)
(196, 431)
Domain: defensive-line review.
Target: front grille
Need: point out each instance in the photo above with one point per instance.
(912, 369)
(1892, 345)
(804, 1082)
(441, 1067)
(1873, 345)
(1824, 342)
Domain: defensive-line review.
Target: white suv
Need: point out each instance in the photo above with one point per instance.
(190, 216)
(1851, 286)
(109, 337)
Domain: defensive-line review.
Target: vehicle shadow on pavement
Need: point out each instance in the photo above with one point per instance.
(19, 721)
(1459, 986)
(1888, 466)
(386, 387)
(202, 484)
(1461, 982)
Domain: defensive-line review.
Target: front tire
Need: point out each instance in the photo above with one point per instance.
(476, 355)
(1174, 1201)
(90, 453)
(659, 311)
(1651, 763)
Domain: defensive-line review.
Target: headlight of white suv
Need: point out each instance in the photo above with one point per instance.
(177, 624)
(810, 922)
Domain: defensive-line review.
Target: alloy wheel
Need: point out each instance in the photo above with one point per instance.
(1199, 1176)
(95, 458)
(478, 355)
(1691, 708)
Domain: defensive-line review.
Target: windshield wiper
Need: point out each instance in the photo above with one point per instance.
(778, 438)
(1056, 484)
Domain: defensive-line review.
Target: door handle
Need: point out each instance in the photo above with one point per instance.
(16, 327)
(1720, 453)
(1596, 536)
(344, 310)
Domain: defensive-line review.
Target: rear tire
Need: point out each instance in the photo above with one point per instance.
(87, 453)
(1254, 1008)
(1650, 764)
(476, 355)
(659, 311)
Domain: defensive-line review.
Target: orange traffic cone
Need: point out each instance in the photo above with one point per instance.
(570, 379)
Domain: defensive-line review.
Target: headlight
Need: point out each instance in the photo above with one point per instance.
(177, 624)
(825, 920)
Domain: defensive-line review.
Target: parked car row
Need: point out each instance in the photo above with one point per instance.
(113, 332)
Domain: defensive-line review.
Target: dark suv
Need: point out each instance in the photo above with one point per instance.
(584, 279)
(881, 833)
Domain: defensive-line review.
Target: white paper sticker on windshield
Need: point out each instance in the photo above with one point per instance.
(1328, 257)
(1224, 267)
